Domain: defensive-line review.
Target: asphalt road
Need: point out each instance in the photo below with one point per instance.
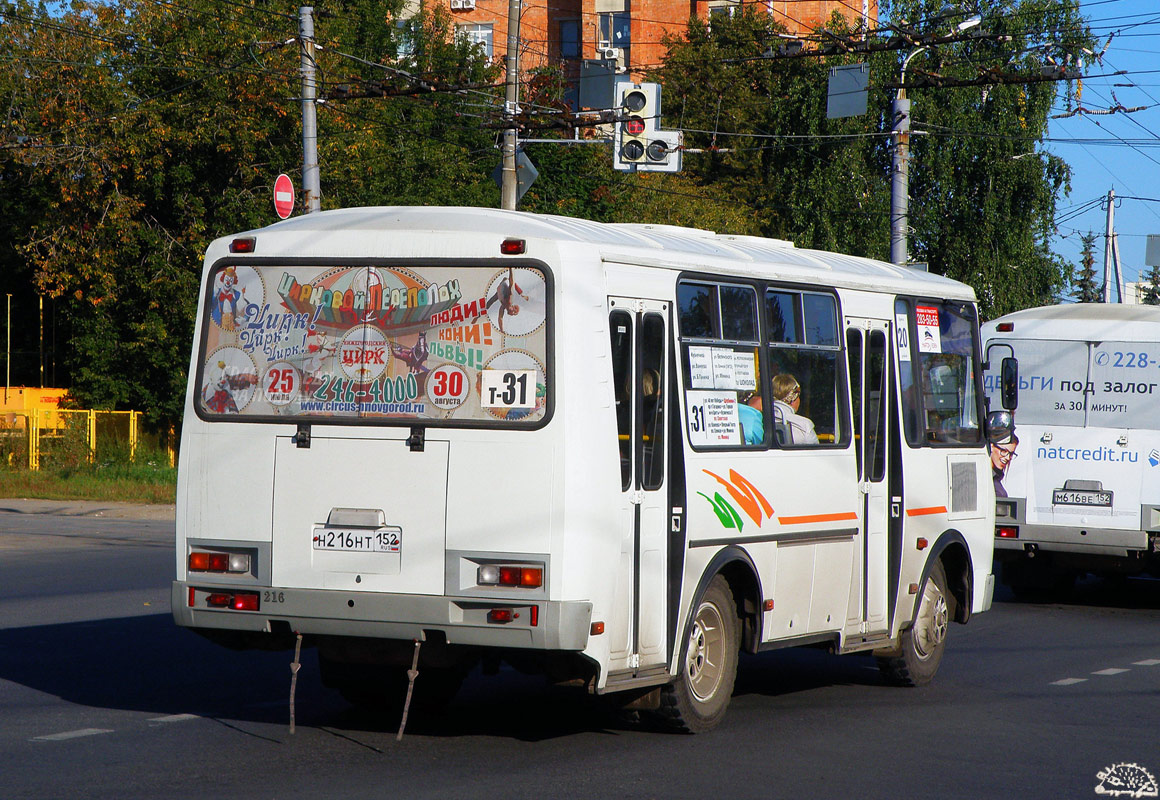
(102, 696)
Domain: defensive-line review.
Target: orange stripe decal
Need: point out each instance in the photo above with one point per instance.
(809, 518)
(922, 512)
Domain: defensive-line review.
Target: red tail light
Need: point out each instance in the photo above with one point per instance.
(245, 601)
(1006, 532)
(500, 615)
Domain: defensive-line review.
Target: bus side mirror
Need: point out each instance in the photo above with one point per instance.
(1009, 383)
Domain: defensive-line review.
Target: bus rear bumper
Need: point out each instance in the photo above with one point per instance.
(521, 624)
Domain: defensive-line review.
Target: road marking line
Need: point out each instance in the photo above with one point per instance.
(1068, 681)
(1150, 662)
(59, 737)
(174, 718)
(1111, 671)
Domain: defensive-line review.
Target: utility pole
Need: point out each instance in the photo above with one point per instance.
(900, 169)
(311, 189)
(1109, 227)
(1112, 254)
(508, 184)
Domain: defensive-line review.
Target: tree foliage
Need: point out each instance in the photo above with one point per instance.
(982, 198)
(137, 131)
(1086, 288)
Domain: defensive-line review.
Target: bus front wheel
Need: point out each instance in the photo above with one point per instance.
(697, 699)
(923, 643)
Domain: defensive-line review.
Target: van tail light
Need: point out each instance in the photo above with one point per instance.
(1006, 532)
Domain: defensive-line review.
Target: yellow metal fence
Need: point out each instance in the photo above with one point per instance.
(28, 437)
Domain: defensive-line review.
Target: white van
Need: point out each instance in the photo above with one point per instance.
(619, 454)
(1081, 491)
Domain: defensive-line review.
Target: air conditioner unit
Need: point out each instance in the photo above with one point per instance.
(462, 5)
(608, 53)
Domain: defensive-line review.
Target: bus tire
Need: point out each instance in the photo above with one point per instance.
(696, 701)
(923, 642)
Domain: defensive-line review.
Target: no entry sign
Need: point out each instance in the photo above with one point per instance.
(283, 196)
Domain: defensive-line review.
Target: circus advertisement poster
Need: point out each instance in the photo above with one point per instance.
(375, 342)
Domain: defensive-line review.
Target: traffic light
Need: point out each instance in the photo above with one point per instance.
(638, 144)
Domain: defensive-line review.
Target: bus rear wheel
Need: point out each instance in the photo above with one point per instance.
(696, 701)
(923, 643)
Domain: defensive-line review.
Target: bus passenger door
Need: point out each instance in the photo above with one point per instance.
(872, 391)
(640, 342)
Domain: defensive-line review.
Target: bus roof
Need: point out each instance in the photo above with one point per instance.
(1083, 322)
(351, 231)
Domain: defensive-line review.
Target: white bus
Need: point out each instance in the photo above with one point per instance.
(496, 435)
(1082, 491)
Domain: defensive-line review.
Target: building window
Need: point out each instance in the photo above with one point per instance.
(479, 34)
(405, 37)
(569, 38)
(723, 9)
(615, 29)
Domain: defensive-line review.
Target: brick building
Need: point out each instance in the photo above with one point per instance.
(567, 31)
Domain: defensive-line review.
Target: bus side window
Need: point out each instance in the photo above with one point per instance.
(652, 341)
(854, 348)
(620, 331)
(911, 410)
(718, 326)
(805, 360)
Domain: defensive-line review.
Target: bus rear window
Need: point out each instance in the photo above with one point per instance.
(391, 344)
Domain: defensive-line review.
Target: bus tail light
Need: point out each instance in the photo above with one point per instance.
(510, 575)
(238, 601)
(1006, 532)
(500, 615)
(245, 601)
(201, 561)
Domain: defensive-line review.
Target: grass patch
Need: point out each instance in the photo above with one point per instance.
(67, 474)
(94, 485)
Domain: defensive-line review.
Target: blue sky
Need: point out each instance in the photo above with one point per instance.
(1118, 151)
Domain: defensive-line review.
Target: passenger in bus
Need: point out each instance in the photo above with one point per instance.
(752, 418)
(791, 427)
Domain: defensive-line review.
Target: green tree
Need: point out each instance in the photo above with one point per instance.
(143, 130)
(1152, 292)
(1086, 289)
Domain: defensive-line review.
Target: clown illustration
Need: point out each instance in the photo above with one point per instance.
(227, 295)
